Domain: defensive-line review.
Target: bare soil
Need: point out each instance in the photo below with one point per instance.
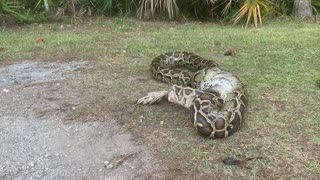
(50, 128)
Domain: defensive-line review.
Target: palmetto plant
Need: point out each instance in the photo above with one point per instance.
(110, 7)
(102, 6)
(45, 3)
(15, 9)
(251, 8)
(316, 6)
(147, 8)
(10, 7)
(225, 10)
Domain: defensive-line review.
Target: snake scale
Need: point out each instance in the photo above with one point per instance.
(216, 98)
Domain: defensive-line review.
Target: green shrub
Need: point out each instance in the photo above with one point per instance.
(213, 10)
(15, 10)
(111, 7)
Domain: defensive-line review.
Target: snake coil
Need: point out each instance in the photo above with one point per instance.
(216, 98)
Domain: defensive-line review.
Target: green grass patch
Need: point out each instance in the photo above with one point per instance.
(279, 63)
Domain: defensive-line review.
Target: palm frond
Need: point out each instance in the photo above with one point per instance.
(148, 8)
(226, 9)
(10, 7)
(253, 10)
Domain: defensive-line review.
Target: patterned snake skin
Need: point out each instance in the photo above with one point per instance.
(216, 98)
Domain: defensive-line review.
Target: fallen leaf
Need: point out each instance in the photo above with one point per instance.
(41, 40)
(230, 52)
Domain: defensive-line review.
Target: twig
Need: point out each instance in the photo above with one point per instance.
(122, 159)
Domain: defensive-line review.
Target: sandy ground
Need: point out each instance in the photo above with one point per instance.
(40, 137)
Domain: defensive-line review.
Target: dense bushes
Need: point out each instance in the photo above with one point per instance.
(219, 10)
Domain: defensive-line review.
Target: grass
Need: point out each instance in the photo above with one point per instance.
(280, 63)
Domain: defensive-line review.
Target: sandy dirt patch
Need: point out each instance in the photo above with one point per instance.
(40, 137)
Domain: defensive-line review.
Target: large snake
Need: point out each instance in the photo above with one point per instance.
(216, 98)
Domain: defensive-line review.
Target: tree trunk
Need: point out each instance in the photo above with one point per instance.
(46, 6)
(303, 9)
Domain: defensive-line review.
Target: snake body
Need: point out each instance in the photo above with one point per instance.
(216, 98)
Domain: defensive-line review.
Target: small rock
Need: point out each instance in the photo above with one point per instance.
(73, 108)
(110, 166)
(161, 122)
(47, 155)
(106, 163)
(31, 164)
(6, 90)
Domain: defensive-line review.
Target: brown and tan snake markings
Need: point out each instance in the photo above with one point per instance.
(216, 98)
